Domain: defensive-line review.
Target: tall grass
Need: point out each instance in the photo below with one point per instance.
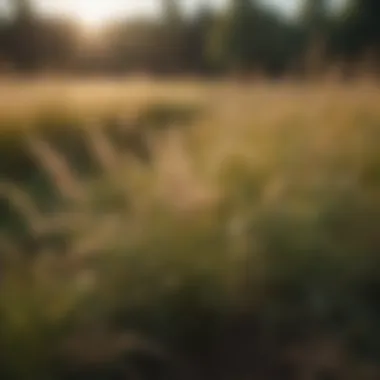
(243, 244)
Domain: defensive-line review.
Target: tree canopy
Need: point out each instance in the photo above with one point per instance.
(246, 35)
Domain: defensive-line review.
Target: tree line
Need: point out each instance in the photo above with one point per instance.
(245, 36)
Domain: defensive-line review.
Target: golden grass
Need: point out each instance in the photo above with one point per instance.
(24, 101)
(252, 207)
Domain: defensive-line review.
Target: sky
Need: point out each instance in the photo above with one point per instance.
(96, 12)
(113, 9)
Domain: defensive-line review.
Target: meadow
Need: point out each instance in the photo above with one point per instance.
(189, 230)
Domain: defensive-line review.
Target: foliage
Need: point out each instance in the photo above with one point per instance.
(245, 36)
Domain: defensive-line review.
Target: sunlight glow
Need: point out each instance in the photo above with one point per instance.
(94, 13)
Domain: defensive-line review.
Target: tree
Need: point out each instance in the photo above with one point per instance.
(315, 21)
(24, 36)
(315, 15)
(241, 34)
(172, 36)
(197, 39)
(23, 10)
(362, 25)
(252, 37)
(171, 12)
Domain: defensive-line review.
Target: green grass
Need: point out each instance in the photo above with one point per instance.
(232, 231)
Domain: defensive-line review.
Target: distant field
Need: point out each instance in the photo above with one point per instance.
(234, 225)
(27, 100)
(20, 100)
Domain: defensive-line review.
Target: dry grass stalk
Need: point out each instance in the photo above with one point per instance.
(57, 169)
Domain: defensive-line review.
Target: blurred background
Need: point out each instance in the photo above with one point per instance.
(189, 189)
(192, 37)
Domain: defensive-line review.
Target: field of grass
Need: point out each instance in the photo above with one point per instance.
(189, 230)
